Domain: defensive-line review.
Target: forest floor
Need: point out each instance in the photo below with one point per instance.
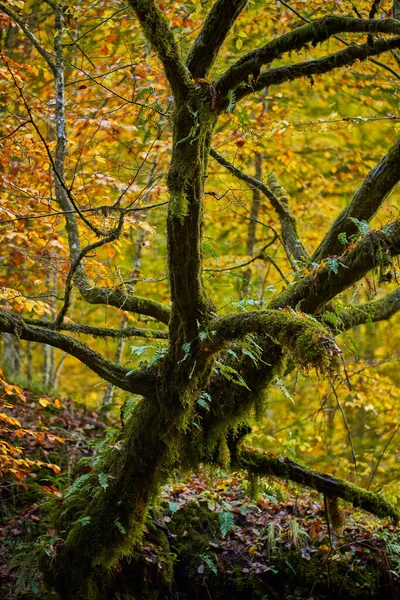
(227, 536)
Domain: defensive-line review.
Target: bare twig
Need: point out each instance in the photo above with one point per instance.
(396, 429)
(346, 425)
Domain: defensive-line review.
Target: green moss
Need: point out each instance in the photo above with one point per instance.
(290, 575)
(194, 526)
(179, 205)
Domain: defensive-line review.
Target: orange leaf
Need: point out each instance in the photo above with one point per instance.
(55, 468)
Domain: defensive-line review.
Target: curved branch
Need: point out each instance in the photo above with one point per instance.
(139, 382)
(303, 337)
(262, 255)
(102, 332)
(278, 466)
(341, 40)
(118, 299)
(112, 236)
(216, 27)
(378, 310)
(315, 32)
(375, 188)
(35, 42)
(339, 59)
(322, 284)
(158, 33)
(292, 242)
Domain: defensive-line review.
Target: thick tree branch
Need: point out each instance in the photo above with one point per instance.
(304, 338)
(376, 186)
(158, 33)
(319, 66)
(314, 32)
(322, 284)
(291, 240)
(278, 466)
(341, 40)
(216, 27)
(378, 310)
(138, 382)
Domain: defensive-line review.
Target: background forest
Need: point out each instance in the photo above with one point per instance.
(87, 139)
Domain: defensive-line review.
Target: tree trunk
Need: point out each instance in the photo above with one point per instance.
(102, 517)
(11, 355)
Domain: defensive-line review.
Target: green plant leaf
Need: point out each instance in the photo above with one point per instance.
(225, 522)
(103, 480)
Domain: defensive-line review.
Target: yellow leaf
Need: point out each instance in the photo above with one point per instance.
(43, 402)
(9, 420)
(252, 549)
(239, 43)
(55, 468)
(57, 403)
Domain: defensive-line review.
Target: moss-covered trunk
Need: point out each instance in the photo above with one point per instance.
(101, 517)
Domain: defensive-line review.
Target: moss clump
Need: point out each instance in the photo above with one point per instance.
(179, 205)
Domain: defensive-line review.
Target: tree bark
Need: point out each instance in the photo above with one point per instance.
(265, 464)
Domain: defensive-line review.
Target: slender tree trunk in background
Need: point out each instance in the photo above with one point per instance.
(48, 366)
(11, 355)
(28, 354)
(251, 231)
(255, 206)
(57, 370)
(109, 393)
(49, 351)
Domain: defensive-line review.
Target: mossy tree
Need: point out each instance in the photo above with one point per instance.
(97, 523)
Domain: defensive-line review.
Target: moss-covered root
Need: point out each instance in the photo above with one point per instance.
(278, 466)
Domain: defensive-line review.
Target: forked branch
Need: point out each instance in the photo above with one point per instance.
(139, 382)
(315, 32)
(320, 66)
